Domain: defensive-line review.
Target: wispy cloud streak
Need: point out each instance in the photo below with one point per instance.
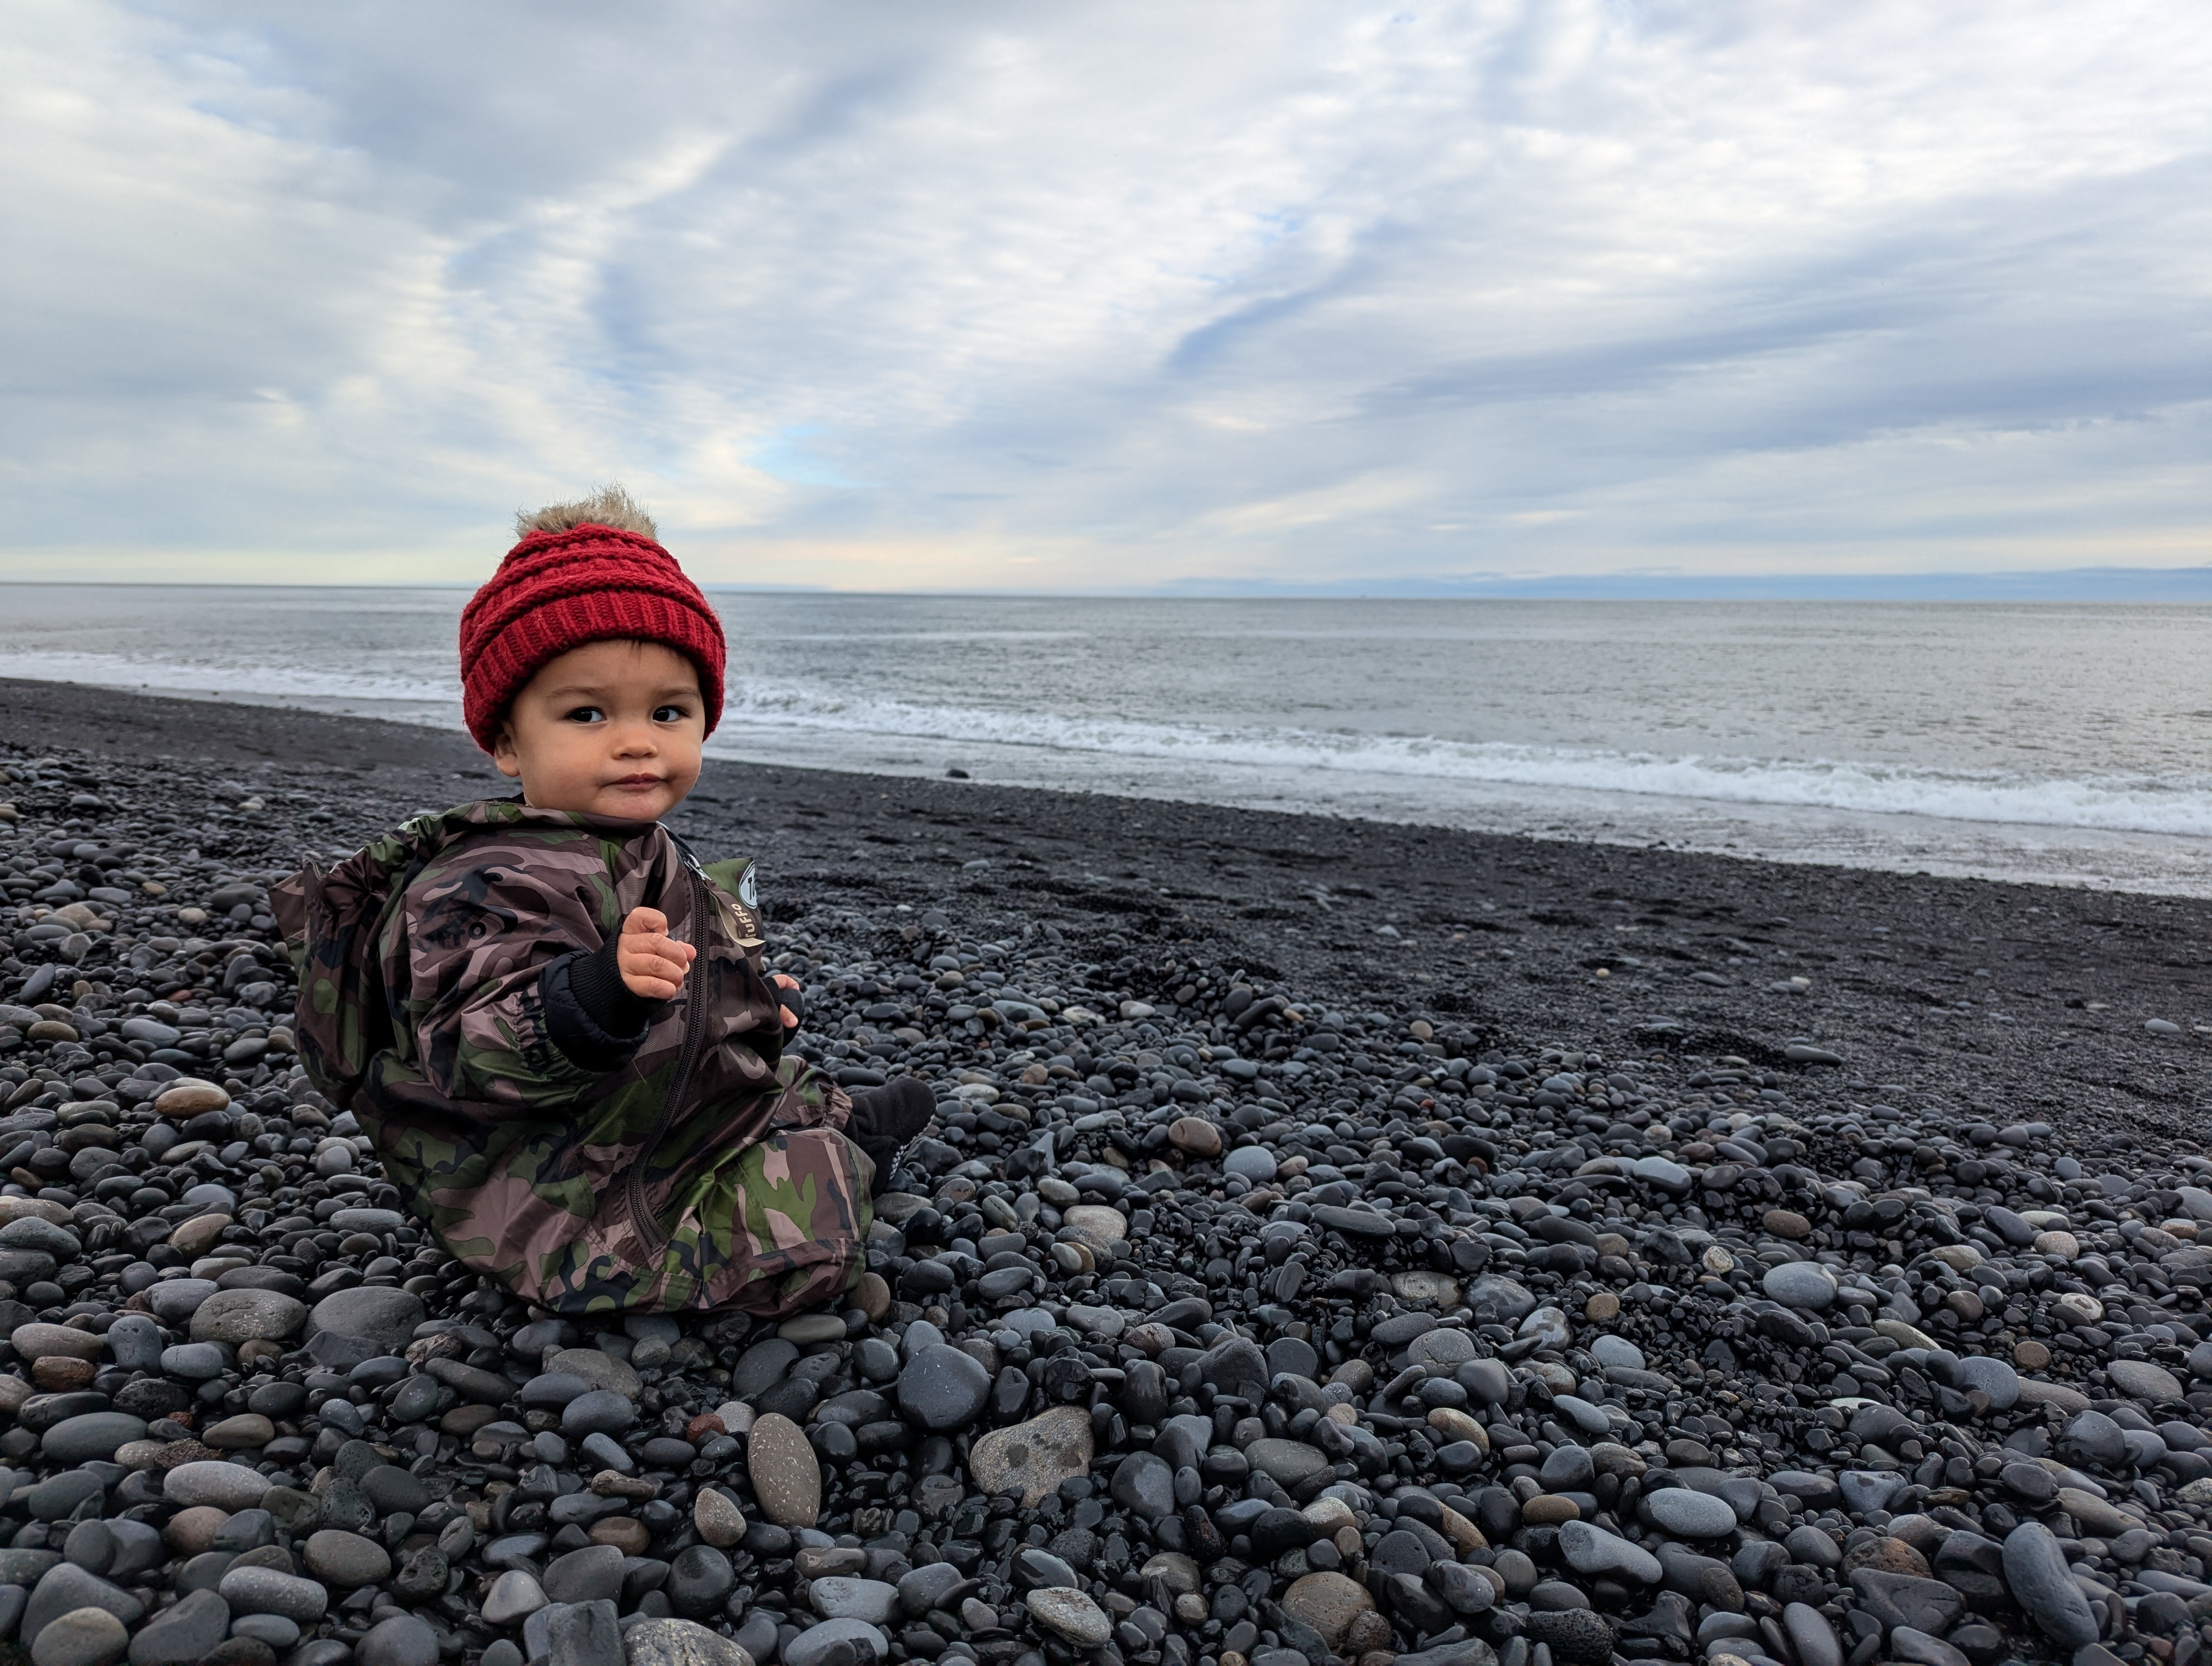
(1091, 296)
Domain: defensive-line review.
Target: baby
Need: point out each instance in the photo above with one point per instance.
(554, 1022)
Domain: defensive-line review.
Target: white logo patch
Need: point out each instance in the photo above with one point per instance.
(748, 892)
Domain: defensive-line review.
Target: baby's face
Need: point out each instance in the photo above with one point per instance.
(609, 729)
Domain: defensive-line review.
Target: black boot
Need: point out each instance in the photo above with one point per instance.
(884, 1119)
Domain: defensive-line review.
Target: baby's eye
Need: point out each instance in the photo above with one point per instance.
(585, 714)
(669, 714)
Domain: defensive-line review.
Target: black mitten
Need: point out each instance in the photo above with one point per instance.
(885, 1118)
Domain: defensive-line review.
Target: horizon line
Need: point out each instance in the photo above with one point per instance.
(2179, 584)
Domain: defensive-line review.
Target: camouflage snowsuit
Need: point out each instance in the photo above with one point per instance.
(707, 1171)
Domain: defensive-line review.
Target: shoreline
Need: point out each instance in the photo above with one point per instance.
(1785, 830)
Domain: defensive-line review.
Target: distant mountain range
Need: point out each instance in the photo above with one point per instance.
(2076, 584)
(2071, 584)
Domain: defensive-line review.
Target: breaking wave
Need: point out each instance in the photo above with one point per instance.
(2114, 804)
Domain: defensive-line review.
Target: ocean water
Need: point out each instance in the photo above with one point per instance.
(2042, 741)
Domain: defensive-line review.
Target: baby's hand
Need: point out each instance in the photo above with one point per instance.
(787, 991)
(652, 963)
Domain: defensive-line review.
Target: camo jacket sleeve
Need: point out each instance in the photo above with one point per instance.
(478, 931)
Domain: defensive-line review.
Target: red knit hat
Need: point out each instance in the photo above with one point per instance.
(557, 590)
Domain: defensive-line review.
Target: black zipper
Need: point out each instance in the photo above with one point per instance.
(694, 1035)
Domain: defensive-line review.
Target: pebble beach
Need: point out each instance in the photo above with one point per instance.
(1338, 1242)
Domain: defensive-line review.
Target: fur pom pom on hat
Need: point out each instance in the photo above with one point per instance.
(573, 580)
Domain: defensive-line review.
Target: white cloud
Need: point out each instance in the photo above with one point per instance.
(1096, 296)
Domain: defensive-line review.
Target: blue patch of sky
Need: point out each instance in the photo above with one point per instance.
(785, 455)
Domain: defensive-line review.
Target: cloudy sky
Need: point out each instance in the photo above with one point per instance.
(1093, 297)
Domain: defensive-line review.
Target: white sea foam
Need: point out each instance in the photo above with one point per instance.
(1303, 760)
(2114, 804)
(277, 683)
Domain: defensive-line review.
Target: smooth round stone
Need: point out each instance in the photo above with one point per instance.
(379, 1314)
(597, 1412)
(264, 1591)
(188, 1097)
(2139, 1379)
(44, 1341)
(200, 1234)
(393, 1489)
(1569, 1468)
(193, 1530)
(1071, 1616)
(1146, 1484)
(699, 1579)
(1810, 1634)
(274, 1629)
(347, 1559)
(1511, 1298)
(1549, 1323)
(230, 1486)
(1593, 1551)
(625, 1533)
(196, 1362)
(1441, 1346)
(1667, 1174)
(1195, 1136)
(1690, 1515)
(1253, 1162)
(941, 1388)
(1869, 1489)
(62, 1376)
(62, 1588)
(1993, 1377)
(786, 1476)
(1329, 1602)
(246, 1431)
(82, 1637)
(1287, 1461)
(1095, 1224)
(175, 1300)
(841, 1598)
(1033, 1458)
(680, 1643)
(185, 1634)
(814, 1645)
(135, 1341)
(1424, 1289)
(1801, 1284)
(809, 1327)
(2040, 1581)
(247, 1316)
(89, 1435)
(719, 1522)
(585, 1576)
(601, 1370)
(1617, 1351)
(379, 1221)
(550, 1390)
(400, 1640)
(512, 1598)
(91, 1545)
(1103, 1322)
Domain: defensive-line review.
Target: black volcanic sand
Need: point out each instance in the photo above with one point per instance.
(1338, 1241)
